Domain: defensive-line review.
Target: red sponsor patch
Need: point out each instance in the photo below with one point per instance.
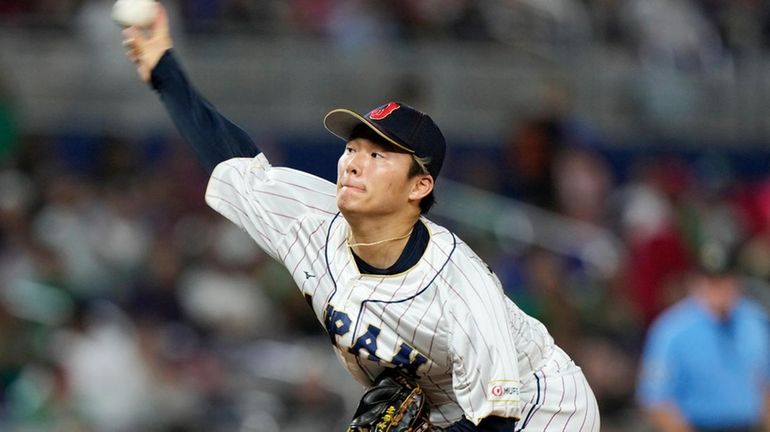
(504, 390)
(381, 113)
(497, 391)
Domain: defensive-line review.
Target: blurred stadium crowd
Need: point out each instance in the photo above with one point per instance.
(127, 305)
(649, 24)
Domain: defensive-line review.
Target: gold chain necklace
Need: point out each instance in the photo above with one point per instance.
(380, 241)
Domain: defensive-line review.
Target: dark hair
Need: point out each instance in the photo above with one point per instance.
(365, 132)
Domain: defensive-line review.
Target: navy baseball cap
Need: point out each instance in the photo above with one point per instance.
(400, 125)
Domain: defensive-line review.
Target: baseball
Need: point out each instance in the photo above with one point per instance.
(138, 13)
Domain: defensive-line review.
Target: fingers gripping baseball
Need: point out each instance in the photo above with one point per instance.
(145, 47)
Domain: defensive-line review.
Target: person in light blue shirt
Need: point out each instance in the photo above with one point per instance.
(706, 362)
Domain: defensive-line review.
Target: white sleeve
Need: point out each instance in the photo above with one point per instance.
(485, 367)
(267, 202)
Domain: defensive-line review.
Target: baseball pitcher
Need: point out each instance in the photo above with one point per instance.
(411, 311)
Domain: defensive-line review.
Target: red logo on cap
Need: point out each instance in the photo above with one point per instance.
(381, 113)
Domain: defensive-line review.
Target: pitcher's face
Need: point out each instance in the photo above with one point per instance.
(373, 179)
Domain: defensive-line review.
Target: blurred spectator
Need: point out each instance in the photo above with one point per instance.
(611, 369)
(470, 24)
(253, 17)
(754, 204)
(63, 225)
(99, 358)
(657, 257)
(673, 33)
(221, 294)
(673, 41)
(201, 15)
(530, 153)
(739, 23)
(562, 21)
(52, 14)
(706, 364)
(354, 24)
(153, 297)
(583, 183)
(310, 16)
(540, 286)
(606, 23)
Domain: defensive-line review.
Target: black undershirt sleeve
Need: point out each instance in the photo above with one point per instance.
(213, 137)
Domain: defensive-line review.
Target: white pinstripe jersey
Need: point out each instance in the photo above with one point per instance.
(446, 319)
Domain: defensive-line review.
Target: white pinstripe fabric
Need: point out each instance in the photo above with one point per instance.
(558, 398)
(481, 353)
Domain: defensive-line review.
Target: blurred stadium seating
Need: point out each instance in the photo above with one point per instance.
(604, 148)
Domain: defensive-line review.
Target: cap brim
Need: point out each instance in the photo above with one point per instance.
(341, 123)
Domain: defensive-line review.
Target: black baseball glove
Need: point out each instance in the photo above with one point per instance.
(394, 403)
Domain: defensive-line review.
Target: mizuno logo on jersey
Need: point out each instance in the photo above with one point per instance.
(308, 275)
